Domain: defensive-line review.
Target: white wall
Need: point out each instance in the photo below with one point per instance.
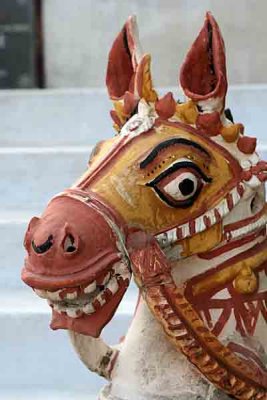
(79, 33)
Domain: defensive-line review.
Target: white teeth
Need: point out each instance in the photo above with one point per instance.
(122, 270)
(90, 288)
(119, 268)
(71, 296)
(113, 285)
(101, 300)
(57, 308)
(88, 308)
(72, 313)
(75, 309)
(54, 296)
(126, 275)
(41, 293)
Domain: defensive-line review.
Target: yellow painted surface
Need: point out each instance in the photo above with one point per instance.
(187, 112)
(202, 242)
(230, 273)
(123, 183)
(246, 281)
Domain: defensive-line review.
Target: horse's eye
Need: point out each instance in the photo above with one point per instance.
(183, 186)
(180, 185)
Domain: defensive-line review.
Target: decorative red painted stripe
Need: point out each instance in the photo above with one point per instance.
(229, 199)
(179, 233)
(244, 222)
(192, 227)
(207, 221)
(217, 215)
(240, 189)
(230, 246)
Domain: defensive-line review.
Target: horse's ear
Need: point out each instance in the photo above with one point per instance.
(124, 57)
(128, 76)
(203, 74)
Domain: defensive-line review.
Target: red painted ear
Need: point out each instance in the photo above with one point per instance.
(123, 59)
(203, 74)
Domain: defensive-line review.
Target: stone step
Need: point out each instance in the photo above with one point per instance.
(12, 250)
(80, 117)
(54, 117)
(29, 178)
(36, 358)
(39, 392)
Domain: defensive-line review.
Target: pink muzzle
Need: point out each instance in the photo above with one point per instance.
(77, 247)
(71, 243)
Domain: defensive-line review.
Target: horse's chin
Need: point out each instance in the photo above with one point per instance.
(89, 324)
(87, 308)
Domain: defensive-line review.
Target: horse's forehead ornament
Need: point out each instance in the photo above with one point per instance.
(177, 199)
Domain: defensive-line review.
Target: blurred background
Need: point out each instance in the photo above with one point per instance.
(64, 44)
(53, 109)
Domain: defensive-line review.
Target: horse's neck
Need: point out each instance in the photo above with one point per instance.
(148, 365)
(226, 299)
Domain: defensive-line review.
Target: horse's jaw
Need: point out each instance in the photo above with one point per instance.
(76, 260)
(87, 308)
(88, 318)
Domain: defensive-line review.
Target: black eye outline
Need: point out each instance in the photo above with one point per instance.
(175, 167)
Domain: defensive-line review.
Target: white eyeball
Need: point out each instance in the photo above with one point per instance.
(183, 186)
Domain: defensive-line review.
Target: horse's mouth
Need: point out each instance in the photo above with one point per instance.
(87, 308)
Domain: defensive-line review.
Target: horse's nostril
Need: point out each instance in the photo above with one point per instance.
(68, 244)
(44, 247)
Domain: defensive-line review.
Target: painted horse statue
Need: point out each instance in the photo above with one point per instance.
(177, 199)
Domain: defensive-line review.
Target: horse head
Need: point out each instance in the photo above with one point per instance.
(177, 198)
